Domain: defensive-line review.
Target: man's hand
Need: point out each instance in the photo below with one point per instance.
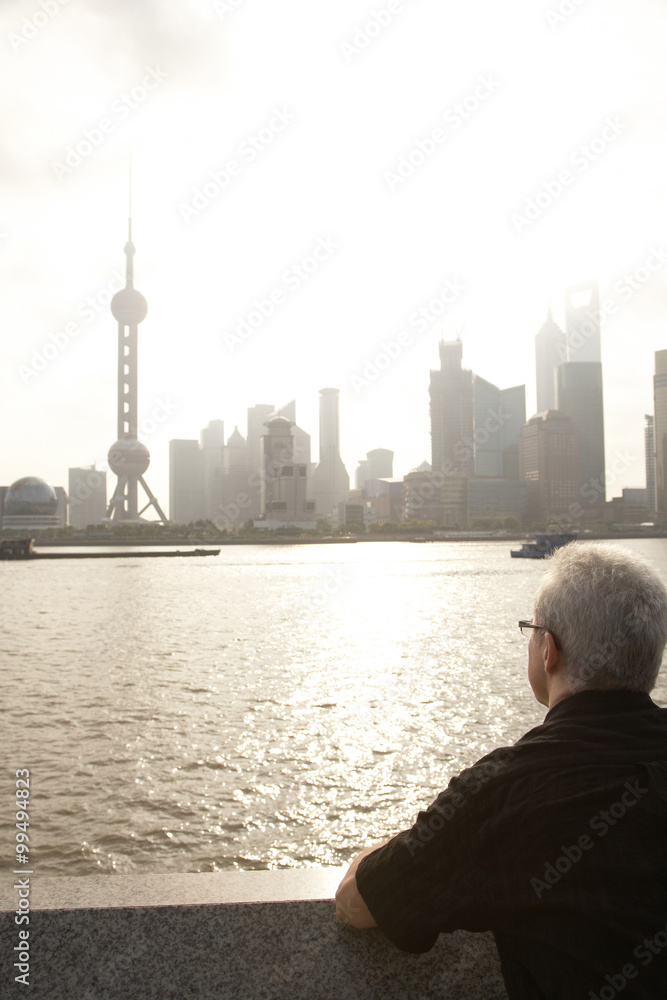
(350, 907)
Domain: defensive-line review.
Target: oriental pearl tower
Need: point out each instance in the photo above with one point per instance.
(128, 457)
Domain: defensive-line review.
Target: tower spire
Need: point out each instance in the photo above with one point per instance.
(129, 246)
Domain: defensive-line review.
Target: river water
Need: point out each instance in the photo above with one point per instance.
(276, 706)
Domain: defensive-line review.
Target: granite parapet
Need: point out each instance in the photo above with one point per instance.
(245, 936)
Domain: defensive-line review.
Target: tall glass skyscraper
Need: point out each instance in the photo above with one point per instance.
(649, 455)
(660, 431)
(550, 352)
(452, 413)
(579, 388)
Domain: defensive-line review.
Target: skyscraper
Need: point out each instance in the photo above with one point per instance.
(361, 474)
(284, 481)
(128, 457)
(582, 322)
(452, 413)
(380, 463)
(377, 468)
(330, 482)
(212, 442)
(649, 456)
(579, 394)
(301, 438)
(550, 352)
(499, 415)
(660, 431)
(257, 417)
(186, 482)
(239, 484)
(548, 464)
(579, 390)
(474, 424)
(87, 501)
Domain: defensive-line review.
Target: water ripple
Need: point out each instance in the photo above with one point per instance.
(183, 718)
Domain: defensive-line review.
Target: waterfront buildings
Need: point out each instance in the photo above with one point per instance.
(222, 483)
(630, 507)
(431, 495)
(496, 499)
(385, 501)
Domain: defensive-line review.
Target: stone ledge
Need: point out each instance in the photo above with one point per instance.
(240, 935)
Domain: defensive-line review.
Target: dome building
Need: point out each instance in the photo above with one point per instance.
(30, 503)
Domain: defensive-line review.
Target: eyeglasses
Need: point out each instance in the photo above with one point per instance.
(526, 625)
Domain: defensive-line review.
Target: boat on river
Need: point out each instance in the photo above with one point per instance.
(545, 543)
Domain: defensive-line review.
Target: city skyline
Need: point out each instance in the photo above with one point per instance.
(616, 482)
(300, 213)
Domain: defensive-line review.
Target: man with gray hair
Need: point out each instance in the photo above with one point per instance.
(558, 844)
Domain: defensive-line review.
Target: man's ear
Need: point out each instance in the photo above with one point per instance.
(551, 655)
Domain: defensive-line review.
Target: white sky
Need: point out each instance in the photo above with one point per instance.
(220, 72)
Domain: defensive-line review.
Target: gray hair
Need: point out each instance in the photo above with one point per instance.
(608, 610)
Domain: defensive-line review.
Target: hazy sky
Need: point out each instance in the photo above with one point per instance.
(372, 160)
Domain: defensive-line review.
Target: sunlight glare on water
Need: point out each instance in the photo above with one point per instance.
(273, 707)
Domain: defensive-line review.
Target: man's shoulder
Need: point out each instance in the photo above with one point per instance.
(586, 732)
(604, 718)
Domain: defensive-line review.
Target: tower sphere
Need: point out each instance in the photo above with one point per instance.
(129, 306)
(129, 457)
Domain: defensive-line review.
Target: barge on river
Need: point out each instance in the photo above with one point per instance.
(22, 548)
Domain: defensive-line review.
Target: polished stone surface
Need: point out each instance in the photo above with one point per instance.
(103, 891)
(245, 936)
